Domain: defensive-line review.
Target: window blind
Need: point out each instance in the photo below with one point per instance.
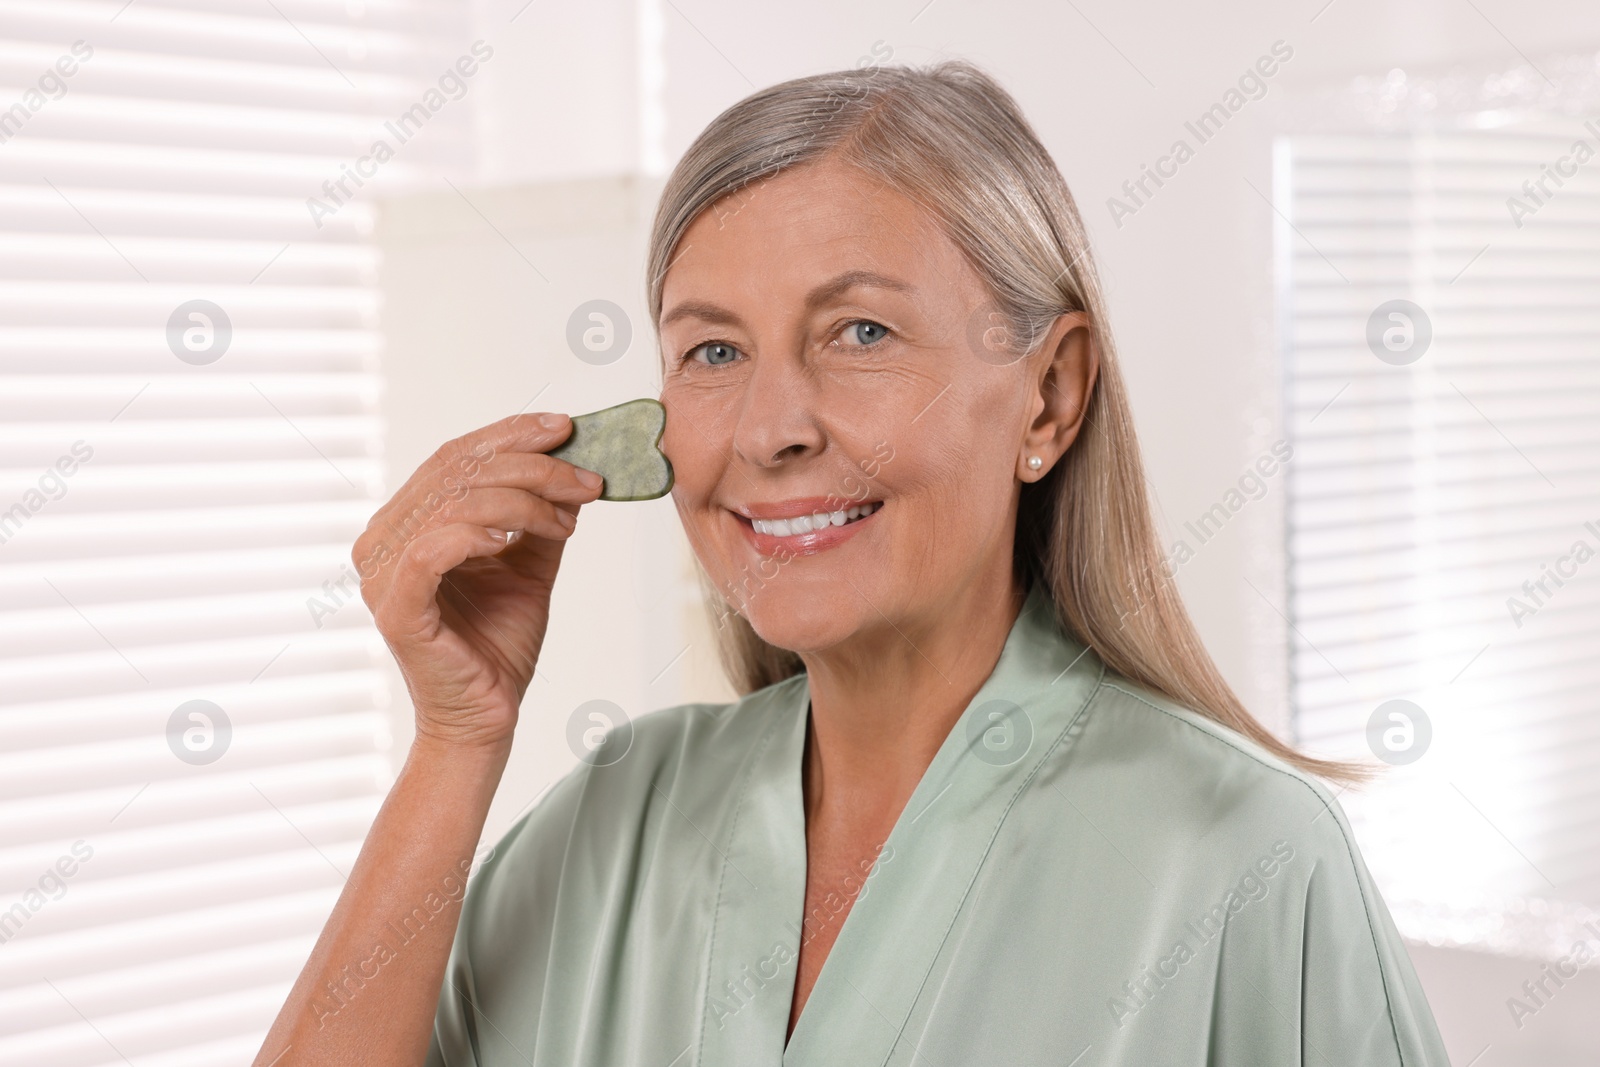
(1444, 512)
(190, 755)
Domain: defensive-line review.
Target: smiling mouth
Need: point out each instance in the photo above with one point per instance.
(815, 522)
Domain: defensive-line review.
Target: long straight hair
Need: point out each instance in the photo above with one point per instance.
(951, 139)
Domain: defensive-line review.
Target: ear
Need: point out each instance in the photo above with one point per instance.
(1065, 368)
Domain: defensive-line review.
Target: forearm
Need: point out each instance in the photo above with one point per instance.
(369, 990)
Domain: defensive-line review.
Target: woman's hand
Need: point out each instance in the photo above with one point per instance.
(462, 606)
(465, 614)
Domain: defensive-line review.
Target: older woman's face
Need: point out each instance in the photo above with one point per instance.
(816, 329)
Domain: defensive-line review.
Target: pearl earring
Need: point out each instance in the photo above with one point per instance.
(1034, 463)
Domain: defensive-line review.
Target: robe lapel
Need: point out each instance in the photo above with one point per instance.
(887, 946)
(755, 925)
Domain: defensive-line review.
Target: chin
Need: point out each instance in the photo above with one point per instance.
(800, 619)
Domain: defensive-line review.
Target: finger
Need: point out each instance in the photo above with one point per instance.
(508, 509)
(511, 516)
(501, 508)
(537, 557)
(432, 489)
(427, 502)
(407, 610)
(534, 432)
(549, 476)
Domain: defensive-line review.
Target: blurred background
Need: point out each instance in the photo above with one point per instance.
(259, 258)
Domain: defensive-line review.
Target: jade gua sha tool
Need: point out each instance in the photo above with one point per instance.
(621, 445)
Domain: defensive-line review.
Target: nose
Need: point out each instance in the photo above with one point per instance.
(778, 415)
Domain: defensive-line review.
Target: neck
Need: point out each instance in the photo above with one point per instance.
(882, 707)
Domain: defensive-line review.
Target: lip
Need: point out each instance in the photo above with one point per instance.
(806, 544)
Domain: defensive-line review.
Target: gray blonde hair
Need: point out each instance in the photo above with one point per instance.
(950, 138)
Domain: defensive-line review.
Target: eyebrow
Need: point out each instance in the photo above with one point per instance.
(852, 279)
(822, 294)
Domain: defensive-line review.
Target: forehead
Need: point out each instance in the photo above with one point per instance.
(801, 225)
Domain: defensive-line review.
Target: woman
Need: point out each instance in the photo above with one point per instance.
(985, 800)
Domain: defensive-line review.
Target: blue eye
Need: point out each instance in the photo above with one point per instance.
(866, 332)
(716, 352)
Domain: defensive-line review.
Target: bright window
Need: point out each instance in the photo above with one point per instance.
(1442, 339)
(189, 443)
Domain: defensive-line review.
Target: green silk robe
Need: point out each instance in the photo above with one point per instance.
(1087, 875)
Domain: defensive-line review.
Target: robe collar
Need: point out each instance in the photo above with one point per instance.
(904, 909)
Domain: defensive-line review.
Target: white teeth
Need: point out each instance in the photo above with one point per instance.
(803, 524)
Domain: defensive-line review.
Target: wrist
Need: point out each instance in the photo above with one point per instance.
(462, 763)
(484, 730)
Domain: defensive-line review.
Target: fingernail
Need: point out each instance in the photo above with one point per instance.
(552, 421)
(590, 478)
(566, 518)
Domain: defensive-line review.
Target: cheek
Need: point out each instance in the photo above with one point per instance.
(953, 484)
(694, 459)
(962, 448)
(963, 489)
(929, 482)
(697, 468)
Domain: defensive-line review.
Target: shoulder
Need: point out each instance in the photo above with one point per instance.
(1193, 750)
(688, 757)
(1167, 757)
(621, 837)
(1268, 856)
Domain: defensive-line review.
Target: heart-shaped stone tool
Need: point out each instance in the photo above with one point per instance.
(620, 444)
